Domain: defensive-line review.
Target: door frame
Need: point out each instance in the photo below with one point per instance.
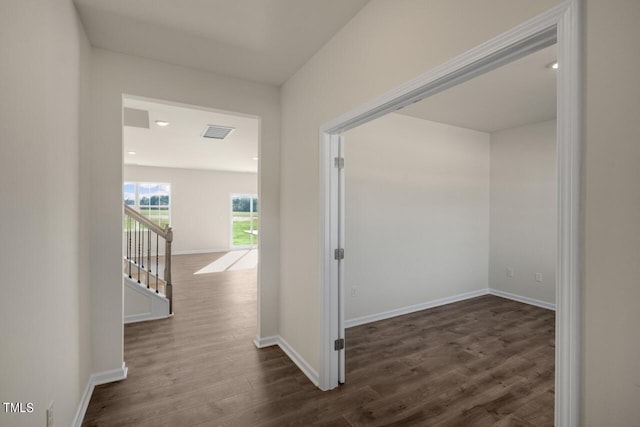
(560, 24)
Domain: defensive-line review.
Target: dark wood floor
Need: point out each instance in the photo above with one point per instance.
(481, 362)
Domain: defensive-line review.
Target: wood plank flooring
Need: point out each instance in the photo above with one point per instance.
(486, 361)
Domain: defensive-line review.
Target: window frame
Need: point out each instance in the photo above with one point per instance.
(253, 215)
(137, 197)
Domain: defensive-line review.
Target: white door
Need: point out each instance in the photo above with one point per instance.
(341, 263)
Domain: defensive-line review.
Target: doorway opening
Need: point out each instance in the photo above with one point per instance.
(561, 25)
(181, 163)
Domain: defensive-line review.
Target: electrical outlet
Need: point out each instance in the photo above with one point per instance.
(509, 272)
(50, 415)
(354, 292)
(539, 277)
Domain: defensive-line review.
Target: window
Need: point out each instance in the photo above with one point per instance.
(151, 199)
(244, 220)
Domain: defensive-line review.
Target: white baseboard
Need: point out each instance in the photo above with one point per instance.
(299, 361)
(266, 341)
(94, 380)
(110, 376)
(291, 353)
(84, 404)
(200, 251)
(413, 308)
(520, 298)
(143, 317)
(447, 300)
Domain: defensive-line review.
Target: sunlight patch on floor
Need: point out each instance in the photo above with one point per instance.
(231, 261)
(250, 260)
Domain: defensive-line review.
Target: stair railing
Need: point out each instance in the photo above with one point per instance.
(139, 231)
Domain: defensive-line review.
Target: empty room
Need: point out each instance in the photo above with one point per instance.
(194, 170)
(450, 252)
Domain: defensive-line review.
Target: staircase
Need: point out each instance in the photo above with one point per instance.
(148, 292)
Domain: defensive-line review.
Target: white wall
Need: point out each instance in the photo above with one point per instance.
(112, 76)
(611, 290)
(524, 210)
(135, 303)
(141, 305)
(388, 43)
(45, 350)
(385, 45)
(417, 213)
(200, 203)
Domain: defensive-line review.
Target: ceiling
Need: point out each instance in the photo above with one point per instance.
(519, 93)
(259, 40)
(269, 40)
(180, 145)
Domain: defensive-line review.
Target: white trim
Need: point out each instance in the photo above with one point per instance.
(416, 307)
(518, 42)
(520, 298)
(304, 366)
(342, 354)
(143, 317)
(84, 404)
(300, 362)
(158, 303)
(328, 268)
(444, 301)
(561, 23)
(110, 376)
(136, 203)
(569, 253)
(201, 251)
(94, 380)
(266, 341)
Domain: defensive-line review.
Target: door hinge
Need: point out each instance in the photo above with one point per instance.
(338, 254)
(338, 344)
(339, 162)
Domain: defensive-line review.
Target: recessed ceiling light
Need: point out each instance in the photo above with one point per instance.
(162, 123)
(254, 158)
(131, 153)
(553, 65)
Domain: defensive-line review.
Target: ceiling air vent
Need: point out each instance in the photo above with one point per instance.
(217, 132)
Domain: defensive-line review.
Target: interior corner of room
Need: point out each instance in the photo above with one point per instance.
(382, 289)
(451, 198)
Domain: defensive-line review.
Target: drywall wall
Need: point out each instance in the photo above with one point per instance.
(523, 215)
(417, 213)
(84, 223)
(383, 46)
(114, 75)
(611, 269)
(135, 303)
(141, 305)
(45, 352)
(388, 43)
(200, 203)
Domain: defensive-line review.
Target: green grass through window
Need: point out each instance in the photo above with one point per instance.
(241, 237)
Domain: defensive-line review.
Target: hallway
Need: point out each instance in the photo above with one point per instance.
(481, 362)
